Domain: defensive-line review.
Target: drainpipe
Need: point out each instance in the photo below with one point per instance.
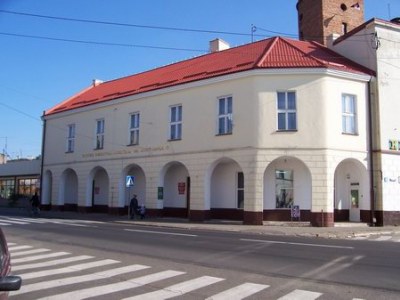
(371, 156)
(42, 155)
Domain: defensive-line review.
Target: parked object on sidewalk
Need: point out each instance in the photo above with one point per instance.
(142, 211)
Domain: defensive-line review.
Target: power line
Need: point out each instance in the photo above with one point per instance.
(98, 43)
(123, 24)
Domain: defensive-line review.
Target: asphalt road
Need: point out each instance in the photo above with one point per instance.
(336, 269)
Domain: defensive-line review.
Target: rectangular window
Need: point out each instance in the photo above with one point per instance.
(286, 105)
(284, 188)
(344, 28)
(71, 138)
(225, 115)
(349, 116)
(7, 188)
(134, 129)
(175, 132)
(240, 190)
(27, 186)
(99, 134)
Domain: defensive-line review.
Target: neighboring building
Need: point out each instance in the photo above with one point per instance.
(3, 158)
(376, 45)
(244, 133)
(19, 178)
(319, 19)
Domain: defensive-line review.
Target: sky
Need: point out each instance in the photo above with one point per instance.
(47, 53)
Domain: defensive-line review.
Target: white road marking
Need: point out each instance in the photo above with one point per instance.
(70, 269)
(296, 244)
(38, 257)
(239, 292)
(51, 263)
(28, 288)
(383, 238)
(161, 232)
(13, 222)
(29, 252)
(178, 289)
(115, 287)
(16, 248)
(31, 220)
(301, 295)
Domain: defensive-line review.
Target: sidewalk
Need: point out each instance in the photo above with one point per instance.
(339, 231)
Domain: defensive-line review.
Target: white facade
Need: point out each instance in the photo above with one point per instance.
(377, 46)
(200, 173)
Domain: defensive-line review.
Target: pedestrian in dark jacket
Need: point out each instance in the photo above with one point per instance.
(133, 207)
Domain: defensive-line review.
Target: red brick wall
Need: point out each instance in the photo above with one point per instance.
(318, 19)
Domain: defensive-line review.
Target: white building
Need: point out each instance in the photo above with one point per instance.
(376, 45)
(244, 133)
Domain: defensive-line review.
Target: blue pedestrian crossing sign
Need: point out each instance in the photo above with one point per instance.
(130, 181)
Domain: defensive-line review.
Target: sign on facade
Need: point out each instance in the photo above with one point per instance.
(394, 145)
(181, 188)
(130, 181)
(295, 212)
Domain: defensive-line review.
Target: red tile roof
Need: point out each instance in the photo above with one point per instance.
(270, 53)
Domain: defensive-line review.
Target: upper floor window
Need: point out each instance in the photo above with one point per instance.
(134, 129)
(225, 115)
(349, 116)
(99, 134)
(287, 119)
(71, 138)
(344, 28)
(175, 132)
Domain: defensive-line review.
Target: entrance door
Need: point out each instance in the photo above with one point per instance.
(188, 197)
(354, 206)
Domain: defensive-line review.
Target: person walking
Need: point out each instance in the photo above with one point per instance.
(133, 207)
(35, 202)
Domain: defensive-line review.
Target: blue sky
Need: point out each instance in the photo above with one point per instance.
(38, 73)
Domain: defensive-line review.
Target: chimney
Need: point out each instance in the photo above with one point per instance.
(96, 82)
(218, 45)
(331, 40)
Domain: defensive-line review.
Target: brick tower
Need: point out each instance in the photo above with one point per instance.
(319, 19)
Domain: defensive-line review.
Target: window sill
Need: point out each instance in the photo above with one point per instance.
(288, 130)
(174, 140)
(222, 134)
(98, 149)
(350, 134)
(132, 145)
(67, 152)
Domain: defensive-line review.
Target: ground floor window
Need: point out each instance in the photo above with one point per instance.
(7, 187)
(240, 190)
(284, 188)
(27, 186)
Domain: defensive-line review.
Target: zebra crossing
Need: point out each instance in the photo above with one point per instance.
(48, 274)
(8, 221)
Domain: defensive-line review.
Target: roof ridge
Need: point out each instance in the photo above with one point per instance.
(266, 52)
(318, 60)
